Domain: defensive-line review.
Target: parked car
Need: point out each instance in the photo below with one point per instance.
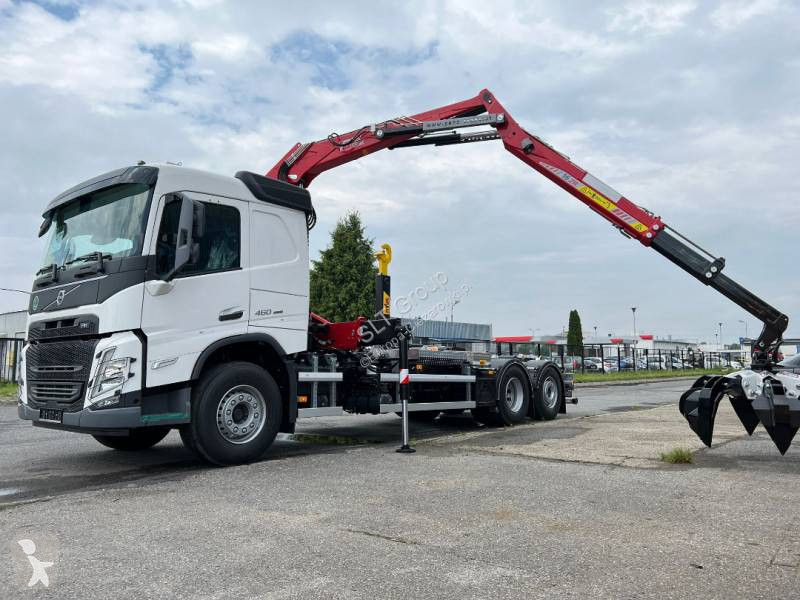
(619, 363)
(626, 362)
(573, 361)
(793, 362)
(677, 363)
(592, 363)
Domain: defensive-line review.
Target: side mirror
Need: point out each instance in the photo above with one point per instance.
(183, 244)
(45, 226)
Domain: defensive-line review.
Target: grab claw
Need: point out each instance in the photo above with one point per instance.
(756, 398)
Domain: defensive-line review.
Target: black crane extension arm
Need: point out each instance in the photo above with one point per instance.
(698, 263)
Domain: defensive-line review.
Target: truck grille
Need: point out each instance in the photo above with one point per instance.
(58, 372)
(62, 328)
(58, 391)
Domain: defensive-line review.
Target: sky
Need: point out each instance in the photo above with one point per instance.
(688, 108)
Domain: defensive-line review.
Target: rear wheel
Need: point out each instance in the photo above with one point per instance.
(513, 399)
(236, 413)
(139, 439)
(549, 394)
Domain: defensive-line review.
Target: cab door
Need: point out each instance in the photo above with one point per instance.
(208, 299)
(279, 275)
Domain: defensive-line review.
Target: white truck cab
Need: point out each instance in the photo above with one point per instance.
(148, 271)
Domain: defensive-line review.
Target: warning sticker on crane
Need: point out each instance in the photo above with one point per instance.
(596, 196)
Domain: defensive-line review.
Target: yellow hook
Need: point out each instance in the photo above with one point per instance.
(384, 257)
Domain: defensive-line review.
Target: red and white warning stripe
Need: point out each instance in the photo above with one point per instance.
(404, 378)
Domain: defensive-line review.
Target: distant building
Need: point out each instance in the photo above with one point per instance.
(789, 347)
(474, 336)
(12, 324)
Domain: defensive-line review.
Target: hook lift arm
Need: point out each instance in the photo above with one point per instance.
(439, 127)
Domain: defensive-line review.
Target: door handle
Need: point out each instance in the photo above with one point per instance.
(230, 316)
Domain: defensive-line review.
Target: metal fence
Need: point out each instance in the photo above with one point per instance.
(10, 359)
(603, 358)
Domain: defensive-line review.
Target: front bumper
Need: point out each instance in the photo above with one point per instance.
(164, 409)
(107, 421)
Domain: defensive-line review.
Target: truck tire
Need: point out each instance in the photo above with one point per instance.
(549, 394)
(236, 413)
(139, 439)
(513, 399)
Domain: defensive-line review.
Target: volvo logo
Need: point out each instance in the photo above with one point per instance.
(59, 300)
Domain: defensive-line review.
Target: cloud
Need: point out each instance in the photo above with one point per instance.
(649, 17)
(229, 47)
(687, 108)
(733, 14)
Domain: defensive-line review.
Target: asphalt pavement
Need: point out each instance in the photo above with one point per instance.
(579, 507)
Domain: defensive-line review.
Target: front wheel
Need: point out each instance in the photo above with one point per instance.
(138, 439)
(236, 413)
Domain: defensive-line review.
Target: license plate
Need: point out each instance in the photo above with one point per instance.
(50, 414)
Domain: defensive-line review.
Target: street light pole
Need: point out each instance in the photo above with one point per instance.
(633, 310)
(741, 345)
(453, 303)
(720, 337)
(745, 327)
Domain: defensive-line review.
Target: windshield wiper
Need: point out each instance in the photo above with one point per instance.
(46, 275)
(96, 267)
(95, 256)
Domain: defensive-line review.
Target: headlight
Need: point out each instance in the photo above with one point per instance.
(111, 373)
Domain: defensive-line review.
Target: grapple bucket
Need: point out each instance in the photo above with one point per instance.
(756, 399)
(699, 405)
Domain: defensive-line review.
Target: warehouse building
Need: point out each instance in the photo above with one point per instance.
(12, 324)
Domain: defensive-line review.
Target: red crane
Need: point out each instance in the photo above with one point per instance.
(767, 402)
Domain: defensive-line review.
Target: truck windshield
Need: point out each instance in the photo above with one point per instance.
(110, 221)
